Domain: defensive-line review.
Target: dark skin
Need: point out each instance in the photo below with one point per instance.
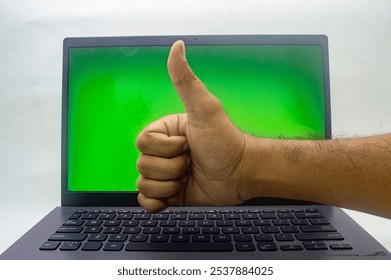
(202, 158)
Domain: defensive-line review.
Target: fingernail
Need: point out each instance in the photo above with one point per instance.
(182, 49)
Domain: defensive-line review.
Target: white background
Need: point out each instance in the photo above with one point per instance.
(31, 34)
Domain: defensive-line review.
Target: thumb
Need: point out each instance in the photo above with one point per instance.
(198, 101)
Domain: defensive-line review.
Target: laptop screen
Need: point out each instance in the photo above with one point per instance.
(275, 91)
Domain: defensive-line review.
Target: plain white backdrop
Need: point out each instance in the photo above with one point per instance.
(32, 31)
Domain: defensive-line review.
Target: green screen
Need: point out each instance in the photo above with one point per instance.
(273, 91)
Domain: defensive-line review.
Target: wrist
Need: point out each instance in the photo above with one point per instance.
(256, 162)
(267, 173)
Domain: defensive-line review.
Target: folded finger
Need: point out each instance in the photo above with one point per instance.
(160, 168)
(152, 204)
(157, 188)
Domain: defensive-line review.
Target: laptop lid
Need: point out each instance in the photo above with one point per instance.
(273, 86)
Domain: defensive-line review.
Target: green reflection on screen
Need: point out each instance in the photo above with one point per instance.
(114, 92)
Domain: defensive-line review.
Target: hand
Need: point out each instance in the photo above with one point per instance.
(195, 158)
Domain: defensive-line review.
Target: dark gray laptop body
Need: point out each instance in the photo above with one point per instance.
(337, 235)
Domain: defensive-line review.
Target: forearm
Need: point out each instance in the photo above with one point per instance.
(350, 173)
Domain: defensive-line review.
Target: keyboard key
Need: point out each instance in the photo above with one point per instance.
(123, 211)
(291, 247)
(97, 237)
(267, 246)
(112, 230)
(303, 215)
(91, 246)
(224, 223)
(261, 223)
(299, 222)
(171, 230)
(167, 223)
(284, 237)
(95, 212)
(210, 230)
(232, 217)
(129, 223)
(80, 211)
(74, 216)
(245, 246)
(205, 223)
(231, 230)
(70, 246)
(132, 230)
(270, 229)
(70, 229)
(151, 230)
(263, 237)
(268, 216)
(181, 212)
(196, 216)
(180, 238)
(214, 216)
(112, 223)
(200, 238)
(142, 216)
(113, 246)
(222, 238)
(160, 217)
(93, 229)
(50, 245)
(319, 221)
(250, 216)
(319, 236)
(318, 228)
(243, 238)
(289, 229)
(199, 246)
(186, 223)
(159, 238)
(315, 245)
(281, 222)
(73, 223)
(149, 223)
(178, 217)
(191, 230)
(107, 217)
(252, 230)
(124, 216)
(93, 223)
(89, 216)
(118, 237)
(286, 215)
(243, 223)
(68, 237)
(341, 247)
(138, 238)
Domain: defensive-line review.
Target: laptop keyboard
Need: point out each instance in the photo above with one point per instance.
(197, 230)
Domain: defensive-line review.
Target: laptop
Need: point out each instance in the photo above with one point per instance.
(270, 86)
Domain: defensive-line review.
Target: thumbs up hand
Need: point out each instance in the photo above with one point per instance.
(197, 158)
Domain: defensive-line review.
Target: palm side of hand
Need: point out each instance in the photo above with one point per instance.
(216, 154)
